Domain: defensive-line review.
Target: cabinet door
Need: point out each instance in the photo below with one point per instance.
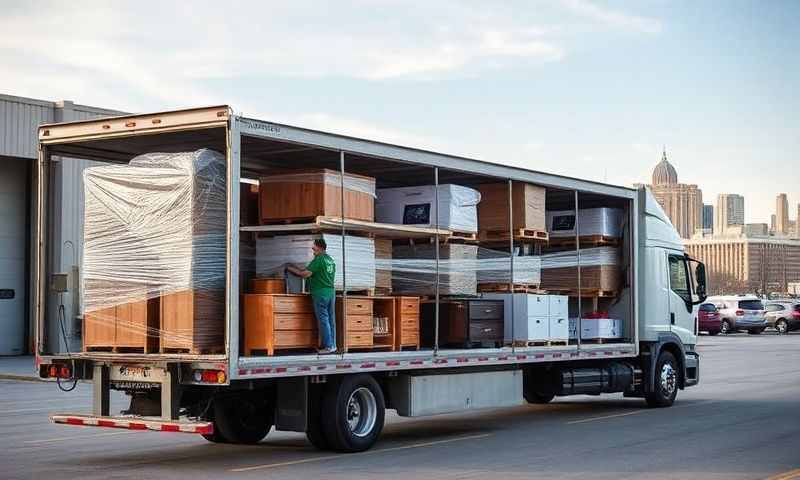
(538, 305)
(538, 328)
(559, 328)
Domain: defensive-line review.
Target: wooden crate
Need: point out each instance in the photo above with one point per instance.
(292, 200)
(528, 208)
(268, 285)
(278, 322)
(131, 326)
(193, 321)
(600, 278)
(406, 322)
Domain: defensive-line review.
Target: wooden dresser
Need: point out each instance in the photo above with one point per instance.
(406, 322)
(464, 322)
(278, 322)
(357, 332)
(193, 321)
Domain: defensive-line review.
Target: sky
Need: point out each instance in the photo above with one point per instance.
(584, 88)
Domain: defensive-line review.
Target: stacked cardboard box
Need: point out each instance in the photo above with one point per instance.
(414, 269)
(599, 270)
(528, 207)
(383, 264)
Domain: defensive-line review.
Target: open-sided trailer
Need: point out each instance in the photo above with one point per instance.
(339, 400)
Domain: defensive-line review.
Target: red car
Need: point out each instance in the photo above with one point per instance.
(708, 319)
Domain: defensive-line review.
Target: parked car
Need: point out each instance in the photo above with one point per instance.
(739, 313)
(783, 316)
(708, 319)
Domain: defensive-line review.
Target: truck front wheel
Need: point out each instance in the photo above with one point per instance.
(242, 418)
(353, 412)
(666, 382)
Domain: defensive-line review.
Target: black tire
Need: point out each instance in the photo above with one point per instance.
(782, 327)
(314, 431)
(534, 397)
(755, 331)
(242, 418)
(725, 327)
(535, 385)
(667, 379)
(354, 413)
(713, 332)
(215, 438)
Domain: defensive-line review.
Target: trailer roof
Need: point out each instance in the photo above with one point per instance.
(126, 135)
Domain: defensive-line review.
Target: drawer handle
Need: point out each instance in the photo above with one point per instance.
(488, 310)
(487, 330)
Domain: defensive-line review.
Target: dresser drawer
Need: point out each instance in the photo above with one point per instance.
(409, 337)
(359, 323)
(295, 321)
(410, 322)
(485, 310)
(359, 339)
(292, 304)
(485, 330)
(296, 339)
(356, 306)
(408, 305)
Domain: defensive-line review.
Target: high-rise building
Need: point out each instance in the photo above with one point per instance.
(797, 223)
(772, 222)
(708, 217)
(682, 203)
(729, 212)
(782, 215)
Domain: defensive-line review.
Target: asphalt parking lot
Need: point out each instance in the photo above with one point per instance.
(742, 422)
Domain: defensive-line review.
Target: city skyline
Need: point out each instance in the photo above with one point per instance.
(574, 87)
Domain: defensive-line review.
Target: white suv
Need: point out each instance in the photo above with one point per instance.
(740, 312)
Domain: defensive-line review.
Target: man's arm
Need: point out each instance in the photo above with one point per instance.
(300, 272)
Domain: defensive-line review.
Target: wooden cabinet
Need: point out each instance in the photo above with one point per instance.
(127, 327)
(468, 323)
(278, 322)
(268, 285)
(193, 321)
(406, 322)
(306, 193)
(354, 330)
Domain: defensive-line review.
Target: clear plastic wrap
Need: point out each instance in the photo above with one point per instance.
(458, 206)
(600, 269)
(356, 183)
(273, 253)
(154, 235)
(593, 221)
(495, 267)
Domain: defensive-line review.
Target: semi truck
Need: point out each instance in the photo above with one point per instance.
(340, 400)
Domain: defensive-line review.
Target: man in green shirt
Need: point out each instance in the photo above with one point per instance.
(320, 273)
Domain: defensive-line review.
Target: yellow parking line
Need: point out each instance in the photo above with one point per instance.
(592, 419)
(371, 452)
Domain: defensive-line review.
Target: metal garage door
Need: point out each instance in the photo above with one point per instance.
(13, 186)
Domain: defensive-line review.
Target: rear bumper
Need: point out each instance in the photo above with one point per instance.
(133, 423)
(692, 369)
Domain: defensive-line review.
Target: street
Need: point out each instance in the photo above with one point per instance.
(742, 421)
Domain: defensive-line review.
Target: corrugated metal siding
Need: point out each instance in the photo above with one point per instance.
(19, 121)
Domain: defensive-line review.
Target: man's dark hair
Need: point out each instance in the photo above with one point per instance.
(320, 242)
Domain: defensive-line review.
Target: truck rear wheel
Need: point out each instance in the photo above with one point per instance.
(353, 413)
(666, 382)
(242, 418)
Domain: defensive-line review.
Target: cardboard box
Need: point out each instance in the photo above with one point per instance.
(458, 207)
(528, 207)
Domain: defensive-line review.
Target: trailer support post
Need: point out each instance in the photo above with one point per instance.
(101, 391)
(170, 393)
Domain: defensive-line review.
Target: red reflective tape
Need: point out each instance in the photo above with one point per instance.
(502, 359)
(393, 363)
(242, 371)
(440, 360)
(367, 365)
(609, 353)
(574, 354)
(483, 359)
(539, 355)
(303, 369)
(280, 370)
(592, 354)
(205, 429)
(521, 357)
(170, 428)
(137, 426)
(107, 423)
(556, 355)
(343, 365)
(461, 360)
(74, 421)
(415, 362)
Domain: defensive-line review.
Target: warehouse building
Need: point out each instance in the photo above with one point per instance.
(19, 120)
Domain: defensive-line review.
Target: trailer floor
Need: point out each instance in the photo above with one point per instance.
(742, 422)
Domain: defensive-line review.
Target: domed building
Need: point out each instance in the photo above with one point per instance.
(683, 203)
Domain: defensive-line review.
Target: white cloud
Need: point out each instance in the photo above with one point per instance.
(613, 18)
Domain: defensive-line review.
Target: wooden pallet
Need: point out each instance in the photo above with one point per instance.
(587, 241)
(537, 343)
(516, 288)
(193, 351)
(585, 293)
(520, 234)
(460, 237)
(115, 349)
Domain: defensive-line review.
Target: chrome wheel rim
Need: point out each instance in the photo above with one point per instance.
(362, 412)
(781, 327)
(725, 327)
(668, 380)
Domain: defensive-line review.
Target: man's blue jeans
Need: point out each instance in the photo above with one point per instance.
(325, 310)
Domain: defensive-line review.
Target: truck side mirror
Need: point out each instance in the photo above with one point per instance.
(700, 276)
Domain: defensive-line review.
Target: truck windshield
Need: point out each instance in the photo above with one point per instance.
(751, 305)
